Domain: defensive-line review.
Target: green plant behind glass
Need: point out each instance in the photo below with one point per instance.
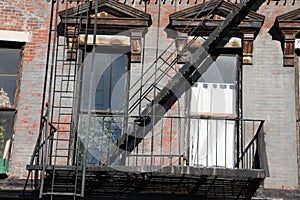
(103, 131)
(2, 137)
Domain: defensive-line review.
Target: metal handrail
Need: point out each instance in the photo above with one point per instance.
(178, 131)
(251, 144)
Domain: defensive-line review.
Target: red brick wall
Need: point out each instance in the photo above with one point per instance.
(33, 16)
(27, 16)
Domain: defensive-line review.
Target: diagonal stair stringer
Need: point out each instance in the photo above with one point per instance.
(190, 72)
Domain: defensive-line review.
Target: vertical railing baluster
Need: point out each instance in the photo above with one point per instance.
(171, 138)
(216, 142)
(207, 129)
(225, 150)
(161, 143)
(238, 144)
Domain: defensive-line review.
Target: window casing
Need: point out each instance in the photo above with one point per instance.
(214, 100)
(10, 56)
(101, 115)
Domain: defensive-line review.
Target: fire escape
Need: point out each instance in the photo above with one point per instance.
(128, 166)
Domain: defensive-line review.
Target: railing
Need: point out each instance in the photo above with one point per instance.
(40, 148)
(252, 156)
(43, 148)
(140, 1)
(199, 141)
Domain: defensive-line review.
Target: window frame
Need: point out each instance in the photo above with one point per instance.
(100, 113)
(20, 46)
(13, 108)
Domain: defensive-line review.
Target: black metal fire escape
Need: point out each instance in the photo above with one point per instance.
(70, 178)
(190, 72)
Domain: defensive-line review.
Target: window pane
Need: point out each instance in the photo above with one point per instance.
(110, 90)
(6, 127)
(223, 70)
(212, 141)
(103, 133)
(105, 83)
(7, 90)
(215, 91)
(9, 60)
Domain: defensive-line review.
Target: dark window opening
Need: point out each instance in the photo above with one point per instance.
(103, 100)
(10, 56)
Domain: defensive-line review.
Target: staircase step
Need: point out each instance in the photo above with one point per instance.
(61, 193)
(66, 186)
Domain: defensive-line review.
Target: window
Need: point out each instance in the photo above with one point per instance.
(10, 59)
(10, 56)
(214, 96)
(214, 93)
(103, 102)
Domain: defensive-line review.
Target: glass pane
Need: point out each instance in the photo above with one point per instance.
(103, 89)
(9, 60)
(104, 82)
(102, 133)
(223, 70)
(7, 91)
(212, 141)
(6, 127)
(110, 90)
(215, 91)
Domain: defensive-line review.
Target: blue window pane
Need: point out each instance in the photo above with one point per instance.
(104, 82)
(7, 90)
(9, 60)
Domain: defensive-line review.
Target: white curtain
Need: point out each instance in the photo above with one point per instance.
(212, 141)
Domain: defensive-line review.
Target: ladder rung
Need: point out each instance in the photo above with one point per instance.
(66, 97)
(64, 131)
(166, 74)
(60, 123)
(61, 193)
(62, 91)
(69, 186)
(65, 60)
(65, 113)
(60, 156)
(63, 107)
(66, 149)
(62, 149)
(60, 139)
(57, 105)
(69, 80)
(156, 87)
(147, 99)
(164, 61)
(65, 75)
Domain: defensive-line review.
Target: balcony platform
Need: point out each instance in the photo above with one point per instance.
(145, 182)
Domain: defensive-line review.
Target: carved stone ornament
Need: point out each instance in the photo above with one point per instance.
(112, 19)
(288, 26)
(188, 20)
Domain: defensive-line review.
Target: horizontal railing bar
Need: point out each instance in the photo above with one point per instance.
(155, 155)
(107, 113)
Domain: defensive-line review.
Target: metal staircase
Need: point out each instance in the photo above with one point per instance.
(55, 151)
(190, 72)
(65, 175)
(168, 62)
(55, 154)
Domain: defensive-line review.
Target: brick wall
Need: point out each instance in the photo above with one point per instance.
(268, 87)
(269, 90)
(269, 94)
(28, 16)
